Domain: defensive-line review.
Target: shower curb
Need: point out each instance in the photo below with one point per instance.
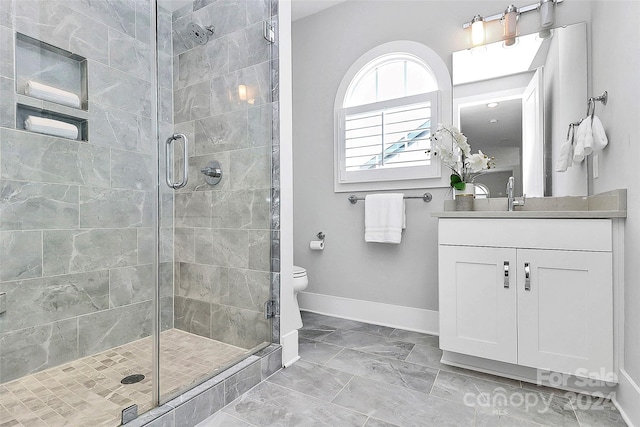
(199, 403)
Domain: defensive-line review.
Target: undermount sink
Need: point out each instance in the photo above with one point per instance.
(612, 204)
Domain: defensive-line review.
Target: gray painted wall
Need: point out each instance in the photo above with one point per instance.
(616, 67)
(325, 45)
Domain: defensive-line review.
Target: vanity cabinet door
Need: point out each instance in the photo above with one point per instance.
(477, 306)
(565, 311)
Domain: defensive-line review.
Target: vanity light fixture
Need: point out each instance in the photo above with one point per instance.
(510, 20)
(492, 105)
(493, 121)
(477, 30)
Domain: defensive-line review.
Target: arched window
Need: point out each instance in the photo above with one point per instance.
(386, 107)
(391, 76)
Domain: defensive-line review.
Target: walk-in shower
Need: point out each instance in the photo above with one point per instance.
(127, 278)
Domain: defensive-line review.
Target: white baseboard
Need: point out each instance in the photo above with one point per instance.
(627, 399)
(289, 344)
(394, 316)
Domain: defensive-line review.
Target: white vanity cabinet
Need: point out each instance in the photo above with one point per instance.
(529, 292)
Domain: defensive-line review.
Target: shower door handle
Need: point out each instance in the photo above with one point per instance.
(169, 158)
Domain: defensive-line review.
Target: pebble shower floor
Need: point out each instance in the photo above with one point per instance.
(88, 392)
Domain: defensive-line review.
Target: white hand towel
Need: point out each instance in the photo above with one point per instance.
(599, 136)
(48, 93)
(384, 217)
(51, 127)
(588, 137)
(566, 152)
(579, 151)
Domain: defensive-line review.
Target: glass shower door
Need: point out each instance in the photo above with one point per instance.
(215, 231)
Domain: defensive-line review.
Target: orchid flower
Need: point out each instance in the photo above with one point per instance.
(455, 153)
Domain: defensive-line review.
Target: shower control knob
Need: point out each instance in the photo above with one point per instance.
(212, 172)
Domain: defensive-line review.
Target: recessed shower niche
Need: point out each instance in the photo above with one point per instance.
(51, 83)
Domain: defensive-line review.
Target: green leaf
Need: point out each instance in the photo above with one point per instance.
(456, 182)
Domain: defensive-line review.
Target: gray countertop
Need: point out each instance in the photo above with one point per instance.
(612, 204)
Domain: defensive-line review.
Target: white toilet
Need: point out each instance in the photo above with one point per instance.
(300, 283)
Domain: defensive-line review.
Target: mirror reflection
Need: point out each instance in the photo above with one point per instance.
(515, 103)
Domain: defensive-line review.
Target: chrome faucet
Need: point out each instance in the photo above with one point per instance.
(512, 201)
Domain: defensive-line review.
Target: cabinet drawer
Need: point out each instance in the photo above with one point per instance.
(567, 234)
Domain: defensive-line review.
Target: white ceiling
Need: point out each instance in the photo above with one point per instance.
(299, 8)
(303, 8)
(486, 136)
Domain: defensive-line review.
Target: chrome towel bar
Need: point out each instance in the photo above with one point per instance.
(426, 197)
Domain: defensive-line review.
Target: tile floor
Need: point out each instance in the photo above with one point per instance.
(355, 374)
(88, 392)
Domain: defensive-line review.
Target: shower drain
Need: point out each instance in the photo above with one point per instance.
(132, 379)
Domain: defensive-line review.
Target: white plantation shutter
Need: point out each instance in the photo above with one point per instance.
(389, 140)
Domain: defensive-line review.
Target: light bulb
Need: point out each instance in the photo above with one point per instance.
(510, 20)
(547, 13)
(477, 30)
(242, 92)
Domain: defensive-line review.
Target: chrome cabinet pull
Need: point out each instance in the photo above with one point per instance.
(169, 160)
(506, 274)
(527, 277)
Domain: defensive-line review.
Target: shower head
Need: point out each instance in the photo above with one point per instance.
(198, 34)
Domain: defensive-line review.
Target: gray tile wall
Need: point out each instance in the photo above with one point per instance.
(223, 233)
(76, 218)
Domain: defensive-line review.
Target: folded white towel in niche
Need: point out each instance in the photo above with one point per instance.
(51, 127)
(579, 149)
(384, 217)
(599, 136)
(49, 93)
(566, 151)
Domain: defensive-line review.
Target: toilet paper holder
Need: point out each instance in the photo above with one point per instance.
(317, 245)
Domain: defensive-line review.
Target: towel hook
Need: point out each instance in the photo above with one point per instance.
(602, 98)
(591, 105)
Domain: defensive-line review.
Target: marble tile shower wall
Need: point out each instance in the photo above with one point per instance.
(223, 233)
(76, 218)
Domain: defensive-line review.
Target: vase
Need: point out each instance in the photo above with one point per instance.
(464, 198)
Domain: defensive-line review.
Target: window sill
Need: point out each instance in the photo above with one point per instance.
(407, 184)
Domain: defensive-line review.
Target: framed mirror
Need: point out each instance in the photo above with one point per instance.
(515, 104)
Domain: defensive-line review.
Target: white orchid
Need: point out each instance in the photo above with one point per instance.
(455, 152)
(478, 162)
(448, 157)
